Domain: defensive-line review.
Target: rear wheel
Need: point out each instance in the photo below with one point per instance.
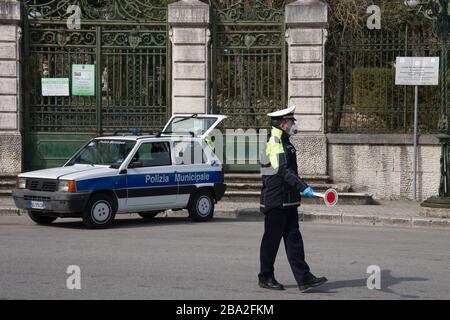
(40, 219)
(149, 214)
(99, 212)
(202, 206)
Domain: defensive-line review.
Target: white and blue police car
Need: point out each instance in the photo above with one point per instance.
(175, 169)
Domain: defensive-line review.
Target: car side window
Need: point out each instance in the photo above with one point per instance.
(153, 154)
(188, 152)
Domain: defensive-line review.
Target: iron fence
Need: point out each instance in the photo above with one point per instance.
(361, 95)
(249, 61)
(127, 45)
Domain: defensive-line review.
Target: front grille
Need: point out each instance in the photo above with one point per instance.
(36, 198)
(41, 185)
(34, 185)
(49, 186)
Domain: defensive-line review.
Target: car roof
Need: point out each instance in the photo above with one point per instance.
(148, 137)
(129, 138)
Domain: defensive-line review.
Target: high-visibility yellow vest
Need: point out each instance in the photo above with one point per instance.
(209, 142)
(274, 147)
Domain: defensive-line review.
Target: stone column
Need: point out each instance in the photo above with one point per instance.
(306, 36)
(10, 113)
(189, 34)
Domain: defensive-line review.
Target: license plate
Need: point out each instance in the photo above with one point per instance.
(37, 205)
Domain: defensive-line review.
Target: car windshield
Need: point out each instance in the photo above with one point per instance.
(103, 152)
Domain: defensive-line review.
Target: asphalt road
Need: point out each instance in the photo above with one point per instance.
(173, 258)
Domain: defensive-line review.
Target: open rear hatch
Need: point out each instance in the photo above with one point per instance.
(195, 125)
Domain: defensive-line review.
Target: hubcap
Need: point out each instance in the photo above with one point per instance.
(204, 206)
(101, 211)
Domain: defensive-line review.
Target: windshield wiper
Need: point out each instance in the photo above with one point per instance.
(184, 119)
(176, 132)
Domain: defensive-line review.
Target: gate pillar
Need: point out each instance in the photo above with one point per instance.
(10, 113)
(306, 37)
(189, 35)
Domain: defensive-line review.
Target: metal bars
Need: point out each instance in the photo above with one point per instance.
(249, 63)
(130, 61)
(361, 95)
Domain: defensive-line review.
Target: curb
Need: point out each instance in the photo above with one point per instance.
(313, 217)
(10, 212)
(344, 219)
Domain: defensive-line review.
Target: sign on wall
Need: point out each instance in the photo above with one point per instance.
(83, 79)
(417, 71)
(55, 87)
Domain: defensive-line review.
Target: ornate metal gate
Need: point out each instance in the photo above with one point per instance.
(249, 69)
(127, 43)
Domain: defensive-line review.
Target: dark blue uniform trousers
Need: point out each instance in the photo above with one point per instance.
(282, 223)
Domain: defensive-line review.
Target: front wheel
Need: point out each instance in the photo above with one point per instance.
(40, 219)
(202, 207)
(99, 212)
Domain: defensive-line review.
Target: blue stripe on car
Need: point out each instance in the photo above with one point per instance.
(149, 180)
(103, 183)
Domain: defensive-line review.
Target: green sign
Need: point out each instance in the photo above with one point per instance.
(83, 79)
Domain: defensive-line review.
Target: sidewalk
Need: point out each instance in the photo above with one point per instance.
(399, 213)
(7, 207)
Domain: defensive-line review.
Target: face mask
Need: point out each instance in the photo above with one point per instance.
(294, 129)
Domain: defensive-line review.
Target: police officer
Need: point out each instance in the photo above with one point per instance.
(280, 198)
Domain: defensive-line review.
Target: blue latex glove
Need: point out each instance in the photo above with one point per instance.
(308, 192)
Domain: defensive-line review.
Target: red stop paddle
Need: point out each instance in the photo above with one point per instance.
(330, 197)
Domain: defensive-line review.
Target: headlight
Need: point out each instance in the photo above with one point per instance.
(67, 186)
(21, 183)
(63, 185)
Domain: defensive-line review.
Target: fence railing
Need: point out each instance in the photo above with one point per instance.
(361, 95)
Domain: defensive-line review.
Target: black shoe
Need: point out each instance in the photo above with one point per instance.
(311, 281)
(270, 283)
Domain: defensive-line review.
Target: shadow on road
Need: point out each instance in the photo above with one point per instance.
(132, 222)
(387, 281)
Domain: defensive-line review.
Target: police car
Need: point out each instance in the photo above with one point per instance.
(175, 169)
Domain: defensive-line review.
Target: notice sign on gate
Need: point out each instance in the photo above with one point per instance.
(55, 87)
(417, 71)
(83, 79)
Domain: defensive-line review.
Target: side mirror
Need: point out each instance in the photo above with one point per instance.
(136, 164)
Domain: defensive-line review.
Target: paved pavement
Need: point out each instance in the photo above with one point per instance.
(173, 258)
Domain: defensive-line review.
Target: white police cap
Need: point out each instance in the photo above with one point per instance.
(287, 113)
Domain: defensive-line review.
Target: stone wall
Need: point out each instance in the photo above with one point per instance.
(383, 165)
(311, 154)
(10, 113)
(189, 36)
(306, 36)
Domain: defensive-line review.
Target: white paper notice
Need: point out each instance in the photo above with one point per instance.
(54, 87)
